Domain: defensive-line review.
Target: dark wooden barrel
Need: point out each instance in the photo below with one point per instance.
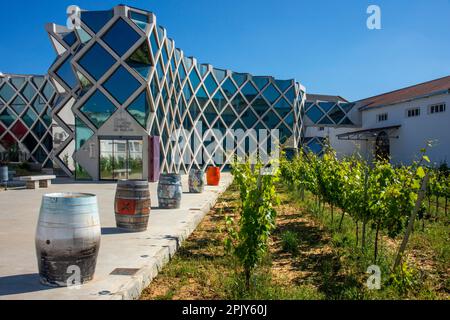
(196, 181)
(132, 205)
(67, 238)
(169, 191)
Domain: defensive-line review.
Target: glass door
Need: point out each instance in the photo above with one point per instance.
(121, 159)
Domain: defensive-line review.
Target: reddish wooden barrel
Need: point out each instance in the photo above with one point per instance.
(132, 205)
(213, 176)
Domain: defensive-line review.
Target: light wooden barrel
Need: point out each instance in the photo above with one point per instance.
(132, 205)
(169, 191)
(196, 181)
(67, 238)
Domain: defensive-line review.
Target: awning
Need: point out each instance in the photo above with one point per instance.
(370, 134)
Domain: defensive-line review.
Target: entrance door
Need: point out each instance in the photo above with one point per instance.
(121, 159)
(382, 146)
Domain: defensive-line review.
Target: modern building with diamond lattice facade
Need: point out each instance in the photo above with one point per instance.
(121, 81)
(26, 118)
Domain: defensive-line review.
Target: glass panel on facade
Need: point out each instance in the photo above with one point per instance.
(7, 117)
(19, 130)
(29, 142)
(249, 91)
(135, 159)
(336, 114)
(219, 74)
(154, 44)
(18, 82)
(239, 103)
(229, 88)
(28, 91)
(96, 61)
(82, 133)
(48, 90)
(271, 94)
(106, 159)
(325, 120)
(120, 37)
(95, 20)
(39, 104)
(260, 82)
(239, 78)
(283, 85)
(83, 35)
(18, 104)
(140, 19)
(326, 106)
(38, 81)
(315, 114)
(121, 84)
(140, 60)
(66, 73)
(70, 38)
(29, 117)
(210, 83)
(98, 109)
(195, 80)
(6, 92)
(39, 129)
(140, 109)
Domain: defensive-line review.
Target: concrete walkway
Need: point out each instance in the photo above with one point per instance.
(141, 254)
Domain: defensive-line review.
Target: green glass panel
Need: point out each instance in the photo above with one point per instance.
(18, 104)
(6, 92)
(82, 133)
(7, 117)
(17, 82)
(29, 117)
(28, 92)
(98, 109)
(140, 60)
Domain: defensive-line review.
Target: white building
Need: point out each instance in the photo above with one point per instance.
(397, 124)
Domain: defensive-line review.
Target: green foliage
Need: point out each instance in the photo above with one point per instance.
(290, 242)
(404, 279)
(248, 238)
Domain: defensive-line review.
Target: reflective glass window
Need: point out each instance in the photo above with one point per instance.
(219, 100)
(95, 20)
(325, 120)
(326, 106)
(96, 61)
(315, 114)
(140, 19)
(6, 92)
(260, 82)
(40, 155)
(154, 44)
(29, 117)
(202, 96)
(30, 142)
(39, 129)
(82, 133)
(70, 38)
(19, 130)
(336, 114)
(140, 109)
(28, 91)
(47, 117)
(239, 78)
(48, 90)
(210, 83)
(120, 37)
(83, 35)
(121, 84)
(260, 106)
(283, 85)
(18, 104)
(140, 60)
(249, 91)
(229, 88)
(239, 103)
(220, 74)
(17, 82)
(271, 94)
(195, 80)
(66, 73)
(38, 81)
(98, 109)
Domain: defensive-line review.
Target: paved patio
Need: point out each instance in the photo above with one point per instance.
(143, 254)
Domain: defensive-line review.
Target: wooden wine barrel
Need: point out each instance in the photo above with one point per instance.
(213, 176)
(196, 181)
(132, 205)
(67, 238)
(169, 191)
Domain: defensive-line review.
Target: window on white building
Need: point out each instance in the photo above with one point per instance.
(321, 128)
(382, 117)
(437, 108)
(413, 112)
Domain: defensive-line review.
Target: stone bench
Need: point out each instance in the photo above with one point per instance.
(36, 182)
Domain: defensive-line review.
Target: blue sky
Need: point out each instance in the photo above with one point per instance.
(323, 44)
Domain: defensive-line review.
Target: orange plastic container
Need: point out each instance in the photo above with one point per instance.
(213, 176)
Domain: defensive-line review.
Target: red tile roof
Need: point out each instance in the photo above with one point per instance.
(418, 90)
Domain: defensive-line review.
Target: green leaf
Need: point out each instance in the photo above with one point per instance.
(426, 158)
(420, 172)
